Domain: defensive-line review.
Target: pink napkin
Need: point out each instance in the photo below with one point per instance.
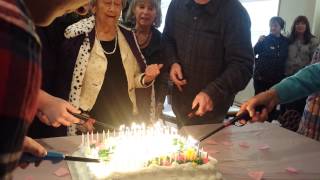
(227, 143)
(210, 150)
(256, 175)
(292, 170)
(264, 147)
(244, 144)
(61, 172)
(29, 178)
(211, 142)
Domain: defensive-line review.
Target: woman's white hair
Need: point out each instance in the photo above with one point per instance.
(93, 2)
(130, 17)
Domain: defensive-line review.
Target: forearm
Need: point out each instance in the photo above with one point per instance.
(302, 84)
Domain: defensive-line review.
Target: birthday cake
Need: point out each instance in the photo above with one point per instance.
(143, 153)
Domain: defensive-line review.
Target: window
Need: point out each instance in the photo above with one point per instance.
(260, 12)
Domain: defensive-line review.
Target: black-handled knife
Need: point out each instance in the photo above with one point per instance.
(54, 157)
(85, 117)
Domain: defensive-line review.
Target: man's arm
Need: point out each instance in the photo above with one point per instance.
(302, 84)
(238, 55)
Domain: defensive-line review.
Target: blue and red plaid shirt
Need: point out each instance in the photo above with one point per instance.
(20, 79)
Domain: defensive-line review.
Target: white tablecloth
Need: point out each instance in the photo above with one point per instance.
(287, 149)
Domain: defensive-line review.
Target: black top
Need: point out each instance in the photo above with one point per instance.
(271, 53)
(113, 105)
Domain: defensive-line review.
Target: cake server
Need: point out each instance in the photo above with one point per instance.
(54, 157)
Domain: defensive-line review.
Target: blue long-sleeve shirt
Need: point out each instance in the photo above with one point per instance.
(302, 84)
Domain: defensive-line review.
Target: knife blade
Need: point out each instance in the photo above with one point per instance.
(54, 157)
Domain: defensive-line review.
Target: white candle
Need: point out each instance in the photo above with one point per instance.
(88, 138)
(82, 139)
(97, 137)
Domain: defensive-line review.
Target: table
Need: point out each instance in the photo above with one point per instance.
(286, 149)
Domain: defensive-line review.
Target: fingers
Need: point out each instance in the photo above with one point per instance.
(260, 116)
(176, 76)
(33, 147)
(204, 102)
(251, 107)
(72, 109)
(177, 81)
(201, 110)
(195, 103)
(64, 121)
(70, 118)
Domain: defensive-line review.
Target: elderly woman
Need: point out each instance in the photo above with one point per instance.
(144, 16)
(98, 69)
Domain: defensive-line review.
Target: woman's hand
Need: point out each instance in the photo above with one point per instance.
(34, 148)
(268, 99)
(151, 72)
(55, 111)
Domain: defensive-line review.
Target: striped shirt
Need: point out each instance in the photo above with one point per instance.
(20, 78)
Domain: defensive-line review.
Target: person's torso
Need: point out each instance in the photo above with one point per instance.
(270, 63)
(299, 56)
(199, 37)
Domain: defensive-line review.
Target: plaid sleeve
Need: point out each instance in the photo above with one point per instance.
(20, 78)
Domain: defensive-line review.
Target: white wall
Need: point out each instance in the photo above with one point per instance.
(316, 20)
(290, 9)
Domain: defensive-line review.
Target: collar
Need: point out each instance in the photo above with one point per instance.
(211, 7)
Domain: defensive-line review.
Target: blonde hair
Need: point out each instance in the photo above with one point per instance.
(130, 17)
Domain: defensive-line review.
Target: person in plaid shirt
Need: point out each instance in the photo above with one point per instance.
(20, 73)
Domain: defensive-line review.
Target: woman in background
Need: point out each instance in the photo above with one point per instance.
(301, 48)
(271, 52)
(144, 16)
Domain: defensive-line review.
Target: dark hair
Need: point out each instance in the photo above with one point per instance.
(307, 36)
(279, 20)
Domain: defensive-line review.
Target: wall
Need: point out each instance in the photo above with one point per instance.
(316, 20)
(290, 9)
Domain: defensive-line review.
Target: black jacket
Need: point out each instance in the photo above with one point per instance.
(212, 43)
(271, 55)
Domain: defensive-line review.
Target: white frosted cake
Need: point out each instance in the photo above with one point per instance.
(140, 153)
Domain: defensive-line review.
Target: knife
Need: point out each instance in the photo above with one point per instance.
(85, 117)
(243, 116)
(54, 157)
